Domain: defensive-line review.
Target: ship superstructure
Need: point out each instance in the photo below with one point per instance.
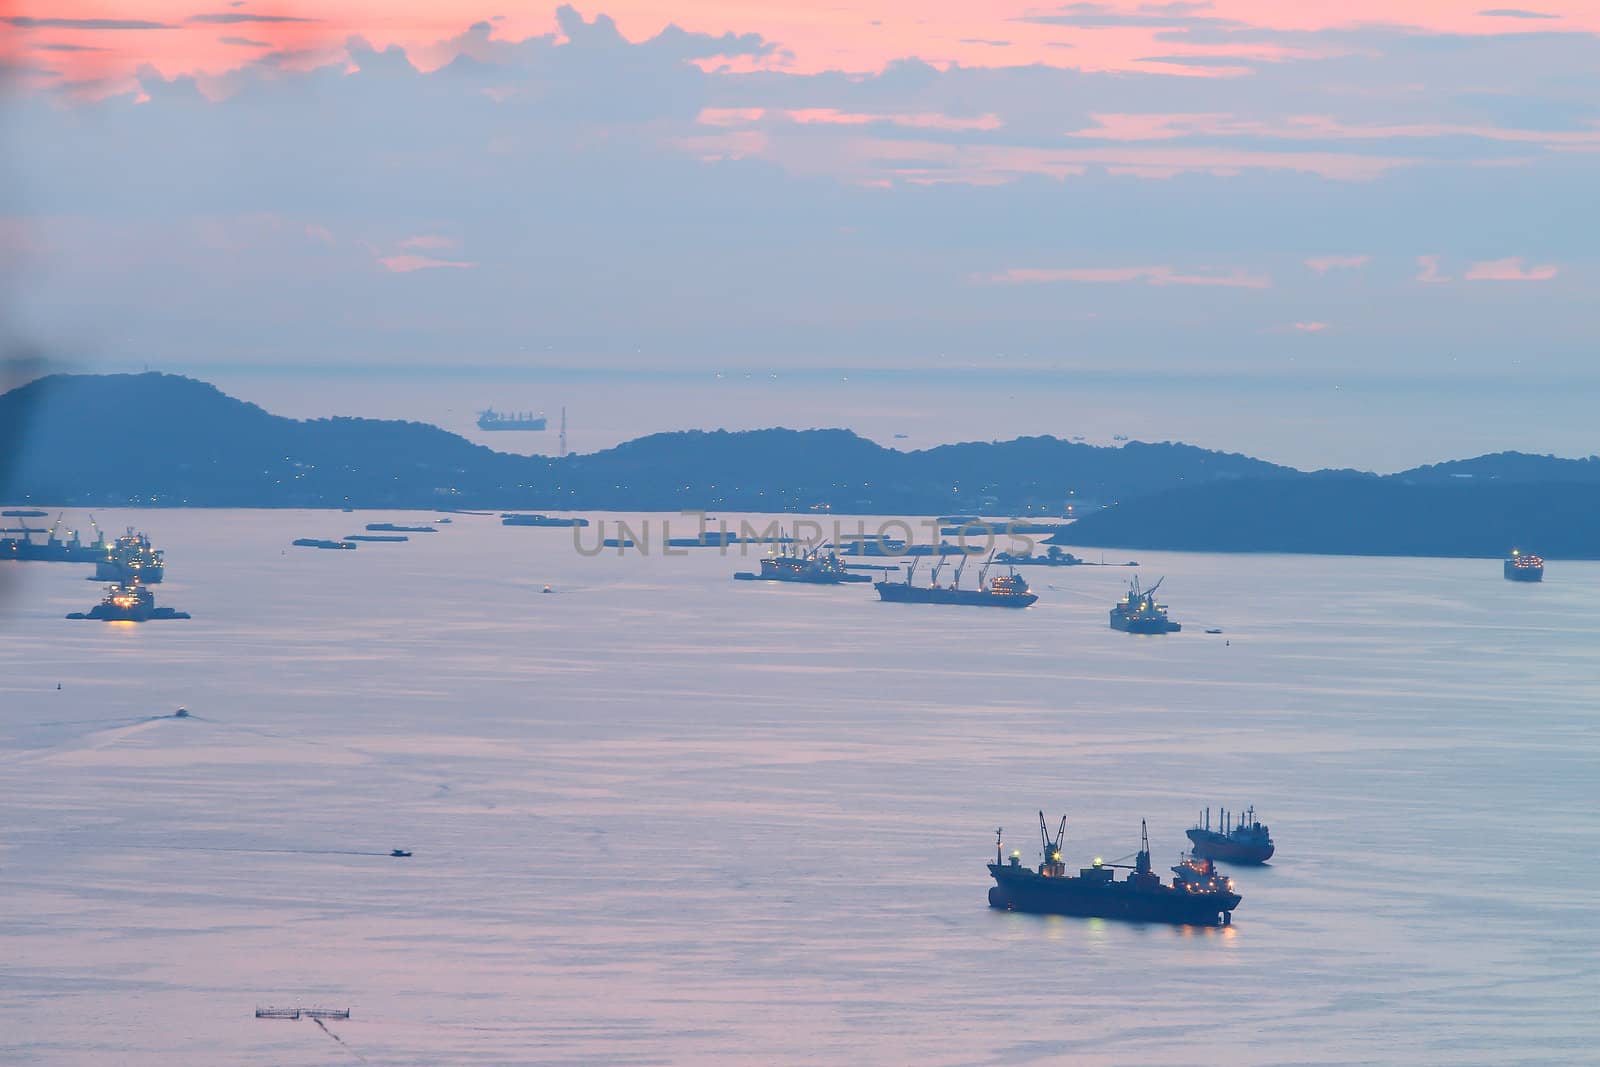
(1523, 566)
(131, 558)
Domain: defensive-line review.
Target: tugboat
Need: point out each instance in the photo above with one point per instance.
(131, 558)
(128, 602)
(1197, 895)
(811, 568)
(1248, 841)
(1524, 567)
(1138, 612)
(1003, 591)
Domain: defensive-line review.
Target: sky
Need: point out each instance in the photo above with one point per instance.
(1312, 194)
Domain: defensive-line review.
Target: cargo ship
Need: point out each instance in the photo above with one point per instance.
(128, 602)
(807, 567)
(1524, 567)
(131, 558)
(322, 542)
(53, 549)
(1247, 841)
(389, 527)
(1197, 896)
(1008, 590)
(490, 419)
(1138, 612)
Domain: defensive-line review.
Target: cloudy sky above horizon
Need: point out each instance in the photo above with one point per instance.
(1240, 187)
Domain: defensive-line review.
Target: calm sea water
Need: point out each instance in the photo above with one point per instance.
(662, 817)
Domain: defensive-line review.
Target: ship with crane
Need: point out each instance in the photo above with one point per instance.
(791, 563)
(1138, 612)
(20, 545)
(1007, 590)
(1197, 894)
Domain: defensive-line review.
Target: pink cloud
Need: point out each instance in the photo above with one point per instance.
(729, 116)
(429, 241)
(1510, 269)
(1429, 272)
(1323, 264)
(1311, 327)
(1158, 275)
(921, 120)
(406, 263)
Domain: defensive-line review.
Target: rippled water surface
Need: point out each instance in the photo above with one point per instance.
(659, 816)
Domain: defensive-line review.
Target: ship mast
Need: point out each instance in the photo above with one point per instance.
(1052, 867)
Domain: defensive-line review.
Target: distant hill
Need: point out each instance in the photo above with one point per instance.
(1368, 516)
(167, 440)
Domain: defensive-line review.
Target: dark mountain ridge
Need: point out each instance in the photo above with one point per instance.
(163, 439)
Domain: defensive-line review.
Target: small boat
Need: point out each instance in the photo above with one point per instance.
(399, 853)
(1213, 630)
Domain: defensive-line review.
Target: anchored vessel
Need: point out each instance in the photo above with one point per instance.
(1197, 896)
(1246, 841)
(1138, 612)
(791, 564)
(540, 520)
(128, 602)
(490, 419)
(1007, 590)
(323, 542)
(1524, 567)
(131, 558)
(53, 549)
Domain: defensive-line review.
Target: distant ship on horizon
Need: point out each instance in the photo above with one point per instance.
(490, 419)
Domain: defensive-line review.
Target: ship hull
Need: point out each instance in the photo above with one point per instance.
(838, 579)
(1144, 626)
(901, 593)
(1523, 574)
(1214, 846)
(1025, 891)
(108, 613)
